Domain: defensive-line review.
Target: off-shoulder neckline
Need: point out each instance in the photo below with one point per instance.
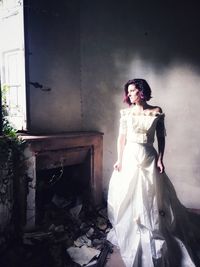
(151, 113)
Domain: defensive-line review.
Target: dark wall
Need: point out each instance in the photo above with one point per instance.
(53, 42)
(158, 41)
(86, 51)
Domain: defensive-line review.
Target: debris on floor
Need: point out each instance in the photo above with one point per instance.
(83, 255)
(69, 235)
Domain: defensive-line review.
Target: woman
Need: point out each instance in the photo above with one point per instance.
(150, 226)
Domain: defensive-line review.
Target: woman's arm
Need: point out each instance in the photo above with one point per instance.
(161, 149)
(160, 133)
(121, 140)
(120, 148)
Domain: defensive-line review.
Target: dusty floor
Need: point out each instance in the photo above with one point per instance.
(115, 259)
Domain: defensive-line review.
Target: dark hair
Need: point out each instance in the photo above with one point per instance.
(142, 86)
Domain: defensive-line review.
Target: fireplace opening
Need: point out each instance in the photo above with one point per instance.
(62, 166)
(64, 200)
(62, 187)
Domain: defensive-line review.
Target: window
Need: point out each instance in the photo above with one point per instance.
(12, 61)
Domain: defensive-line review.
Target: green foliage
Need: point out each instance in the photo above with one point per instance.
(10, 142)
(8, 130)
(12, 159)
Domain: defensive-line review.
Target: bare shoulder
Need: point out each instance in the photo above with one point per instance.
(125, 111)
(158, 109)
(155, 109)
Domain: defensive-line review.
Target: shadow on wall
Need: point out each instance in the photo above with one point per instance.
(158, 42)
(136, 38)
(158, 32)
(176, 90)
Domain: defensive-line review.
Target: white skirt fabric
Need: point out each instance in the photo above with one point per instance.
(150, 226)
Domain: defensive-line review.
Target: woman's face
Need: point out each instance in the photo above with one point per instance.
(133, 94)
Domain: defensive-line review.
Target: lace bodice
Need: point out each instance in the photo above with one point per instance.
(141, 127)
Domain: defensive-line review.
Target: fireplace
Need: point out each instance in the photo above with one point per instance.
(75, 159)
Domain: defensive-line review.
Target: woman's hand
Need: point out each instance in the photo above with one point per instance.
(160, 166)
(117, 166)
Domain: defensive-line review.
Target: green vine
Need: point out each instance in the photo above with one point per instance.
(12, 147)
(12, 159)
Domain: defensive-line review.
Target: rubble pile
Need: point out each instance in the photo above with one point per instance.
(70, 235)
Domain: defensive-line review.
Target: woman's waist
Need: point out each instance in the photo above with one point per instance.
(136, 143)
(143, 142)
(140, 150)
(140, 138)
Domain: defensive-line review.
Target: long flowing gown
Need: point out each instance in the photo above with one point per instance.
(150, 225)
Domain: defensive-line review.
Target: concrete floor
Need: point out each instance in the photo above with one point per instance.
(114, 259)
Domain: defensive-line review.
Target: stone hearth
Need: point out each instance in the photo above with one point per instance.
(50, 151)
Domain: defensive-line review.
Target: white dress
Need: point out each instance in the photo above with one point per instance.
(150, 226)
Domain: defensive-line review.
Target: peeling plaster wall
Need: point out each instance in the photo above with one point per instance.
(86, 53)
(53, 40)
(160, 43)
